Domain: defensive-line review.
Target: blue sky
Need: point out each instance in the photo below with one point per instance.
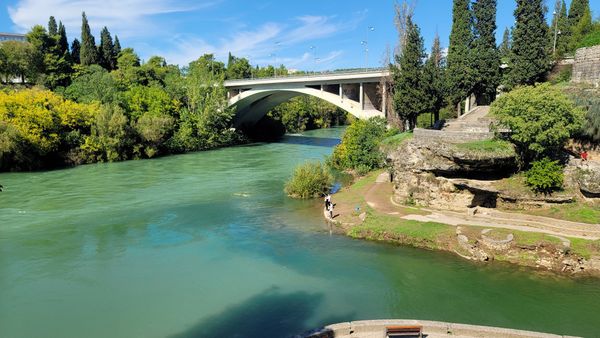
(265, 31)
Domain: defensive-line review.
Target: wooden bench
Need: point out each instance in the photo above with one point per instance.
(404, 330)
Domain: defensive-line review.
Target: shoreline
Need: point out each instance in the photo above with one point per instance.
(366, 210)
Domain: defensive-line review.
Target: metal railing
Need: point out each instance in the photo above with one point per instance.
(312, 74)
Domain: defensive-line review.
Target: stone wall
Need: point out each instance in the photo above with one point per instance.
(451, 136)
(587, 66)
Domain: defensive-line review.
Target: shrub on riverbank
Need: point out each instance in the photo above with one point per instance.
(540, 119)
(310, 180)
(545, 176)
(360, 146)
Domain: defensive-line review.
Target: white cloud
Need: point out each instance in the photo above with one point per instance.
(127, 17)
(264, 45)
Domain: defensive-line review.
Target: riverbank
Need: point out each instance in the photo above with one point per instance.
(366, 210)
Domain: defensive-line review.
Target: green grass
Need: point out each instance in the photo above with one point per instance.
(576, 212)
(396, 140)
(393, 229)
(584, 247)
(500, 147)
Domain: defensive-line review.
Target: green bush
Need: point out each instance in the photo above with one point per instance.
(545, 176)
(540, 119)
(590, 102)
(310, 180)
(360, 145)
(591, 39)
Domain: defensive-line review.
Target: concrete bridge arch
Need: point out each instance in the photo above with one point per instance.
(356, 92)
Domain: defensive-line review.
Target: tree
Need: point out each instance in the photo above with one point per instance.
(529, 59)
(409, 92)
(433, 79)
(116, 50)
(239, 69)
(19, 61)
(52, 27)
(577, 11)
(106, 50)
(581, 29)
(486, 61)
(75, 51)
(540, 119)
(63, 43)
(504, 49)
(88, 54)
(459, 77)
(359, 148)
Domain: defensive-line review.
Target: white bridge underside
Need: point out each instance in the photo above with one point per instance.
(357, 93)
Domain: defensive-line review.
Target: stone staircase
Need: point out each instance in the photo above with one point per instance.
(475, 121)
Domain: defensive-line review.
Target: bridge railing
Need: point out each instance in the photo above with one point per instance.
(311, 74)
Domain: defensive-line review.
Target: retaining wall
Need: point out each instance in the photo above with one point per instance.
(586, 68)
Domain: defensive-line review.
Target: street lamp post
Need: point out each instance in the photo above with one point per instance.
(314, 50)
(555, 31)
(365, 43)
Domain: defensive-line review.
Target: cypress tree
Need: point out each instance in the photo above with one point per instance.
(88, 55)
(529, 58)
(106, 50)
(409, 93)
(486, 61)
(116, 50)
(577, 11)
(75, 51)
(52, 27)
(63, 43)
(504, 49)
(581, 29)
(459, 77)
(433, 79)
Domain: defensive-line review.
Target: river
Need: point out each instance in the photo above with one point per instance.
(207, 245)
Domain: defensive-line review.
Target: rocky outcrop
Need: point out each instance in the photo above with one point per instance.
(588, 177)
(425, 172)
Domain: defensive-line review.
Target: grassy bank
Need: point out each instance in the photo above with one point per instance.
(364, 214)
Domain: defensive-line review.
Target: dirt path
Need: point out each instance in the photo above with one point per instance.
(378, 197)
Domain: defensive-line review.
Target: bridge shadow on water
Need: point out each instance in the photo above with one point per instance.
(310, 140)
(267, 314)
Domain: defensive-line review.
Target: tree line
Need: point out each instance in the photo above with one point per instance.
(475, 64)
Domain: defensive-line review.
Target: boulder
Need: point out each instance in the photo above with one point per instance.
(589, 180)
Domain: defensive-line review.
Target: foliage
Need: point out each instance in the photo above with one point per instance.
(37, 123)
(359, 146)
(540, 119)
(581, 29)
(109, 138)
(409, 88)
(88, 53)
(592, 38)
(154, 130)
(307, 112)
(311, 179)
(486, 59)
(529, 60)
(504, 48)
(459, 76)
(107, 58)
(433, 80)
(545, 176)
(17, 60)
(94, 83)
(590, 102)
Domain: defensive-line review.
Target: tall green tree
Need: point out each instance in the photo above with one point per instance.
(529, 60)
(504, 49)
(410, 98)
(75, 51)
(459, 77)
(88, 54)
(106, 50)
(116, 49)
(239, 68)
(486, 60)
(41, 42)
(433, 79)
(63, 43)
(577, 11)
(18, 60)
(52, 27)
(581, 29)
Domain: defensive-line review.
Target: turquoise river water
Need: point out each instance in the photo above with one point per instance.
(207, 245)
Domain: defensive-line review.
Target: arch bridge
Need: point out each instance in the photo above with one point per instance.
(356, 92)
